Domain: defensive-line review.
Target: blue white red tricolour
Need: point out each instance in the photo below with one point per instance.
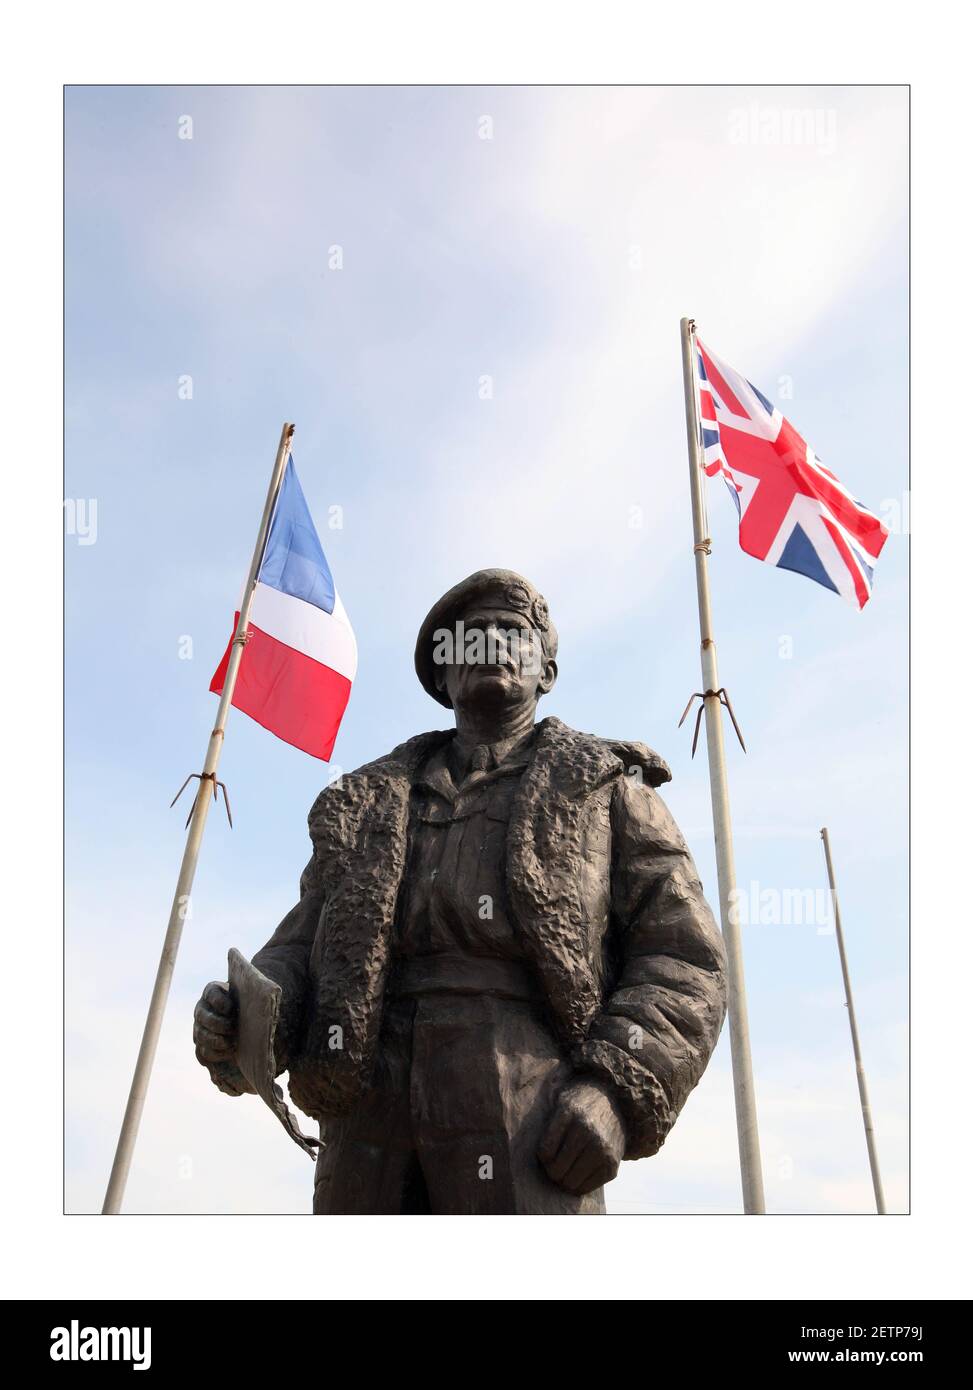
(300, 657)
(793, 512)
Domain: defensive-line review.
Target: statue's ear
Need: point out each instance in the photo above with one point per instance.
(439, 677)
(548, 677)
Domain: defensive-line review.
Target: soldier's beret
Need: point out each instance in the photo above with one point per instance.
(501, 589)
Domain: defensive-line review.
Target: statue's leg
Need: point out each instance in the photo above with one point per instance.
(368, 1164)
(533, 1069)
(485, 1074)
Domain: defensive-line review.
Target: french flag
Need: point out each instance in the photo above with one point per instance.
(300, 656)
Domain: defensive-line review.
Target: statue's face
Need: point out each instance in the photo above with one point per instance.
(498, 661)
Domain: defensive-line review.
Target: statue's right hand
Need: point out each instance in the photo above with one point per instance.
(215, 1036)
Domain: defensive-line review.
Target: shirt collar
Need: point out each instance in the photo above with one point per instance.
(436, 774)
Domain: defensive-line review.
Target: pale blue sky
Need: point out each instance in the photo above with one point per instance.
(516, 257)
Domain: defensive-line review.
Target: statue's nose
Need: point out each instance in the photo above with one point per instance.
(498, 643)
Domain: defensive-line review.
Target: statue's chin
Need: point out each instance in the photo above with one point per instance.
(493, 692)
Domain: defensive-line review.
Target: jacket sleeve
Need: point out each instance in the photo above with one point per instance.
(659, 1023)
(285, 960)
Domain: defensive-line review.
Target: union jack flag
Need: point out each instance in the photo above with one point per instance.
(794, 513)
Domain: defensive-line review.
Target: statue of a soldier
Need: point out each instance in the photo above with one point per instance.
(502, 977)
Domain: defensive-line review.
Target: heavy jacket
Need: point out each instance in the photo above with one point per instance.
(604, 893)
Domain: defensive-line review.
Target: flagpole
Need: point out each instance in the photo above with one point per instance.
(856, 1048)
(746, 1111)
(197, 823)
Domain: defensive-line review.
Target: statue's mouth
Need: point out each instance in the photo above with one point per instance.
(491, 670)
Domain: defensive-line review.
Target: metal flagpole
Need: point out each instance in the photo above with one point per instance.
(746, 1111)
(187, 871)
(859, 1068)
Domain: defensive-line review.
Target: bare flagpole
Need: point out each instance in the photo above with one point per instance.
(197, 824)
(859, 1067)
(751, 1173)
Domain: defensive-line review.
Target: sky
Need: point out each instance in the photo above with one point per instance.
(468, 301)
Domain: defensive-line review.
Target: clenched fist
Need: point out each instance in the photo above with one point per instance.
(214, 1033)
(584, 1140)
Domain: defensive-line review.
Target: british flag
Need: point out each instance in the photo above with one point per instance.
(794, 513)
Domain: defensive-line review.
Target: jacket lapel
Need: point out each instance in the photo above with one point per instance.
(543, 857)
(359, 830)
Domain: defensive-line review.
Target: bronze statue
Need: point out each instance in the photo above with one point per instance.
(501, 977)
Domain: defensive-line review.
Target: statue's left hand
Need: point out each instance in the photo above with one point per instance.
(585, 1139)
